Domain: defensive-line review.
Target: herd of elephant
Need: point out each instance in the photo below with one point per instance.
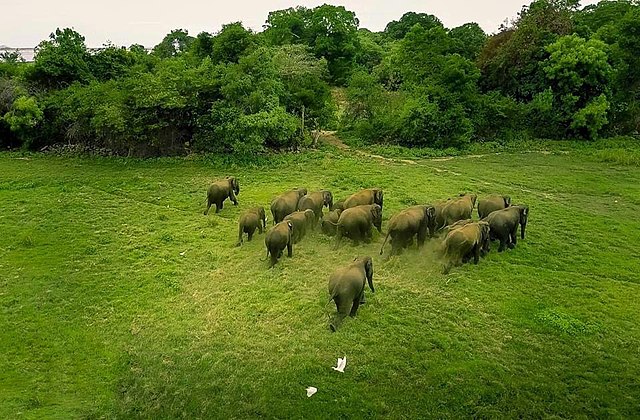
(297, 212)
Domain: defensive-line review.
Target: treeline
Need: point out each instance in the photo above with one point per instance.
(556, 71)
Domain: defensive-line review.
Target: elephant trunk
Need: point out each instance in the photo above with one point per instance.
(370, 281)
(385, 242)
(522, 229)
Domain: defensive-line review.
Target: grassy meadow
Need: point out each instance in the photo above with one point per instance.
(119, 299)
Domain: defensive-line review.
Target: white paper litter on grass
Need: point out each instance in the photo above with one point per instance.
(342, 363)
(311, 390)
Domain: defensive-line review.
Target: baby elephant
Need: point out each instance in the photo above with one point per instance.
(464, 243)
(303, 222)
(346, 287)
(279, 238)
(251, 220)
(329, 224)
(219, 191)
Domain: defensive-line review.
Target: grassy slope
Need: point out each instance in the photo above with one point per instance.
(103, 316)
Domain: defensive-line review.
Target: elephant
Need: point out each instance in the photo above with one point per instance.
(330, 221)
(439, 217)
(278, 238)
(416, 220)
(492, 203)
(302, 221)
(458, 209)
(465, 242)
(346, 288)
(356, 222)
(504, 225)
(339, 205)
(365, 197)
(251, 220)
(315, 201)
(221, 190)
(286, 204)
(458, 224)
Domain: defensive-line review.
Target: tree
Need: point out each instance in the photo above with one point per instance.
(468, 40)
(231, 43)
(174, 43)
(111, 62)
(398, 29)
(24, 116)
(62, 60)
(578, 73)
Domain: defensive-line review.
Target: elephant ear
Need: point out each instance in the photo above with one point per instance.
(507, 201)
(290, 225)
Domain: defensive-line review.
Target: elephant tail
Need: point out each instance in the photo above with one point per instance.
(385, 242)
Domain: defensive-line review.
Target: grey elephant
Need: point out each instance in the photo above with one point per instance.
(414, 221)
(365, 197)
(286, 204)
(464, 243)
(346, 288)
(504, 225)
(356, 223)
(458, 209)
(303, 222)
(219, 191)
(315, 201)
(329, 223)
(492, 203)
(250, 221)
(278, 238)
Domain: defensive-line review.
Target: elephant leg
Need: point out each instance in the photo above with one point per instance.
(219, 206)
(342, 306)
(362, 298)
(514, 237)
(274, 256)
(395, 246)
(422, 236)
(355, 306)
(250, 233)
(476, 254)
(503, 243)
(289, 250)
(209, 203)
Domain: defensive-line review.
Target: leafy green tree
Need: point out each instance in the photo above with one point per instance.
(370, 51)
(62, 60)
(174, 43)
(510, 61)
(111, 62)
(231, 43)
(202, 46)
(398, 29)
(468, 40)
(23, 117)
(579, 72)
(288, 26)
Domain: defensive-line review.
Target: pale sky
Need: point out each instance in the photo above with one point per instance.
(24, 23)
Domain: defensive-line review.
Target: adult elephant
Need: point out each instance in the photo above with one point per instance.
(278, 238)
(286, 203)
(364, 197)
(504, 225)
(356, 223)
(302, 221)
(346, 288)
(416, 220)
(315, 201)
(329, 223)
(251, 220)
(458, 209)
(492, 203)
(219, 191)
(464, 243)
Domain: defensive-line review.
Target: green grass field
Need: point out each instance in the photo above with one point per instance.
(119, 299)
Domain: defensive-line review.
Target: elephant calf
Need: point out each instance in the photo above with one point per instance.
(329, 224)
(356, 223)
(277, 239)
(416, 220)
(492, 203)
(251, 220)
(465, 242)
(346, 288)
(219, 191)
(365, 197)
(315, 201)
(302, 221)
(285, 204)
(458, 209)
(504, 225)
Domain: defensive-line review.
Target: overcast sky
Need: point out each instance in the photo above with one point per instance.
(24, 23)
